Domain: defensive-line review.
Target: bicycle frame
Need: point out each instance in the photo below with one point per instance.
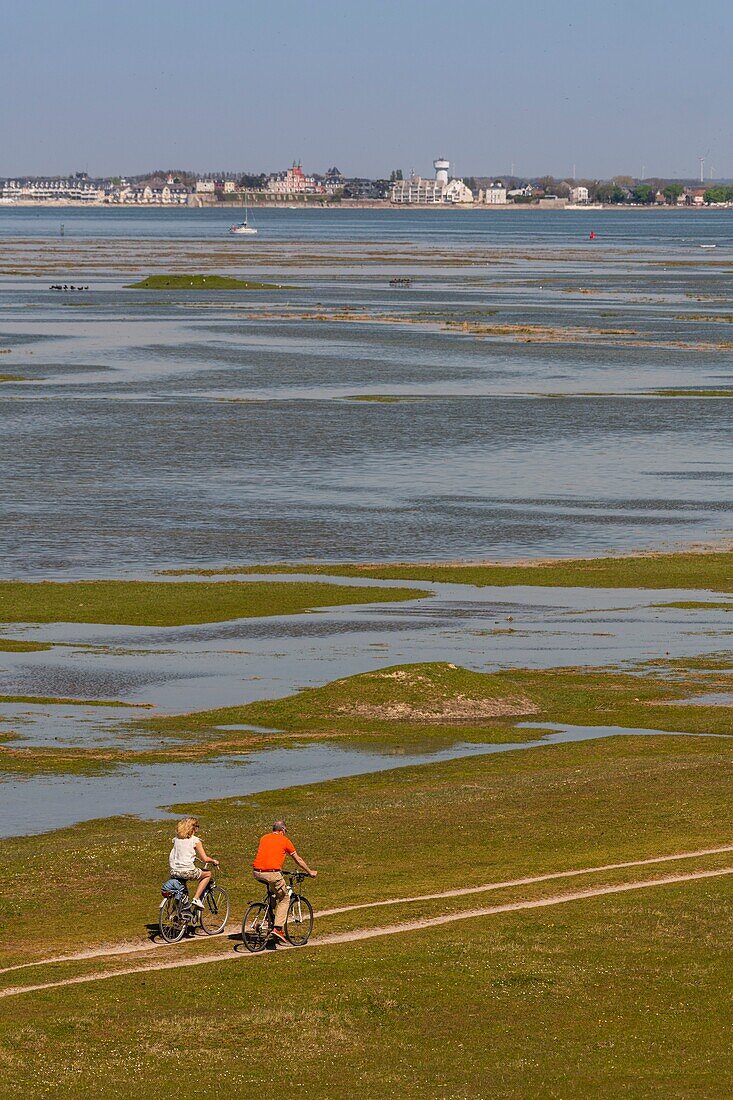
(258, 922)
(297, 907)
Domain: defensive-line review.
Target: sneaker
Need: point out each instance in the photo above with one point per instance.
(278, 935)
(197, 902)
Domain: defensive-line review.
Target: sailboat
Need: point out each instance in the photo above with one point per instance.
(244, 227)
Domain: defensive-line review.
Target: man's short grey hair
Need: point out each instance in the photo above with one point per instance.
(279, 827)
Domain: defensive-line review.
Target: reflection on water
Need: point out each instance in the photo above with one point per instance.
(711, 699)
(41, 804)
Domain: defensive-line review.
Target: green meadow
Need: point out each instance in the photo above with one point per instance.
(199, 282)
(166, 603)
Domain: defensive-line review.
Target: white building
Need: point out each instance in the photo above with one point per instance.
(494, 195)
(439, 191)
(148, 195)
(579, 195)
(56, 189)
(525, 192)
(333, 181)
(416, 190)
(457, 192)
(205, 187)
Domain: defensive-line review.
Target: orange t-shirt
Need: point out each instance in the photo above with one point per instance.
(273, 848)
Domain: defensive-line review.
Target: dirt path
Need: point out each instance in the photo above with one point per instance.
(385, 930)
(467, 890)
(138, 948)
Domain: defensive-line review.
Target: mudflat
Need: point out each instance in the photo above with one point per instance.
(441, 573)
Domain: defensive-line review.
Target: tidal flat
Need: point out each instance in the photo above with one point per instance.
(528, 395)
(439, 572)
(292, 407)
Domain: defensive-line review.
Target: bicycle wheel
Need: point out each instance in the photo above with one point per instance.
(299, 921)
(256, 926)
(172, 925)
(215, 912)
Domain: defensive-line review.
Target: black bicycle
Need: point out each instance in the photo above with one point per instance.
(178, 916)
(259, 920)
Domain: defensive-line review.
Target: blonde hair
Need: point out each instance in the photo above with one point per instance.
(186, 827)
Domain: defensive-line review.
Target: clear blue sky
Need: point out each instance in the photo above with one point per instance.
(369, 86)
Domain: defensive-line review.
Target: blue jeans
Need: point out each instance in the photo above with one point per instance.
(175, 887)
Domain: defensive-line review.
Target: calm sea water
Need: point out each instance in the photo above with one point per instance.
(657, 229)
(160, 429)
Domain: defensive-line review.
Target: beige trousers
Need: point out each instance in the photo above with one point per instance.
(276, 884)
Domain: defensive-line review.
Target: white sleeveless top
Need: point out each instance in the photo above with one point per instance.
(182, 854)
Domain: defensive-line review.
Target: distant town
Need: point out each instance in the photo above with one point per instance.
(293, 187)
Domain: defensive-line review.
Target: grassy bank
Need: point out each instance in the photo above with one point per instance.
(199, 282)
(17, 645)
(432, 703)
(57, 700)
(160, 603)
(412, 708)
(616, 996)
(711, 570)
(703, 391)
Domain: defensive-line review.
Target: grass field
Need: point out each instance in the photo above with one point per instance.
(387, 834)
(626, 996)
(161, 603)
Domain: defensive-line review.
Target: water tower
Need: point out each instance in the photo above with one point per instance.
(441, 166)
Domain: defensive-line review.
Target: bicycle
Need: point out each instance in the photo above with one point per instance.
(178, 916)
(259, 919)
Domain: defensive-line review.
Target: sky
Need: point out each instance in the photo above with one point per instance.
(624, 87)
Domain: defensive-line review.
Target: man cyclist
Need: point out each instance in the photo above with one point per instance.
(273, 849)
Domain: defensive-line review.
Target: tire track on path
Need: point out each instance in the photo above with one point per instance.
(467, 890)
(372, 933)
(464, 891)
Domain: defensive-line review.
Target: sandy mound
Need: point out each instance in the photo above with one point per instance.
(458, 709)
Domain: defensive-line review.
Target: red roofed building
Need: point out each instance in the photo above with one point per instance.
(293, 182)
